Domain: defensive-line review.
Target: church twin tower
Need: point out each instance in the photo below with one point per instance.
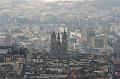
(59, 47)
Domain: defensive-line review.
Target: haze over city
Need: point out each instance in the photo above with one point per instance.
(57, 0)
(59, 39)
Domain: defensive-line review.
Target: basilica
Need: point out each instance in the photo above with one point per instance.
(59, 45)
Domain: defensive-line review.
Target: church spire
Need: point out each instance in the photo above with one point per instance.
(64, 35)
(58, 36)
(53, 33)
(53, 42)
(64, 42)
(64, 30)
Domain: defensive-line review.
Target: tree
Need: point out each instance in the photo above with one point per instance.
(18, 51)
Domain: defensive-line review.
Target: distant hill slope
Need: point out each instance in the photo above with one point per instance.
(108, 3)
(71, 13)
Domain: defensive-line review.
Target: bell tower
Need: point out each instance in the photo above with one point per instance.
(53, 42)
(64, 43)
(59, 46)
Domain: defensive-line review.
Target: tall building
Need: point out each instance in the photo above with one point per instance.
(7, 39)
(59, 47)
(99, 41)
(53, 42)
(90, 35)
(64, 42)
(116, 47)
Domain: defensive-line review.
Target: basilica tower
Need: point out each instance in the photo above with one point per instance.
(59, 45)
(53, 42)
(64, 43)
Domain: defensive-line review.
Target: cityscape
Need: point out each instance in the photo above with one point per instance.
(59, 39)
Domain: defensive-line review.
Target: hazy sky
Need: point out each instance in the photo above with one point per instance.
(51, 0)
(58, 0)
